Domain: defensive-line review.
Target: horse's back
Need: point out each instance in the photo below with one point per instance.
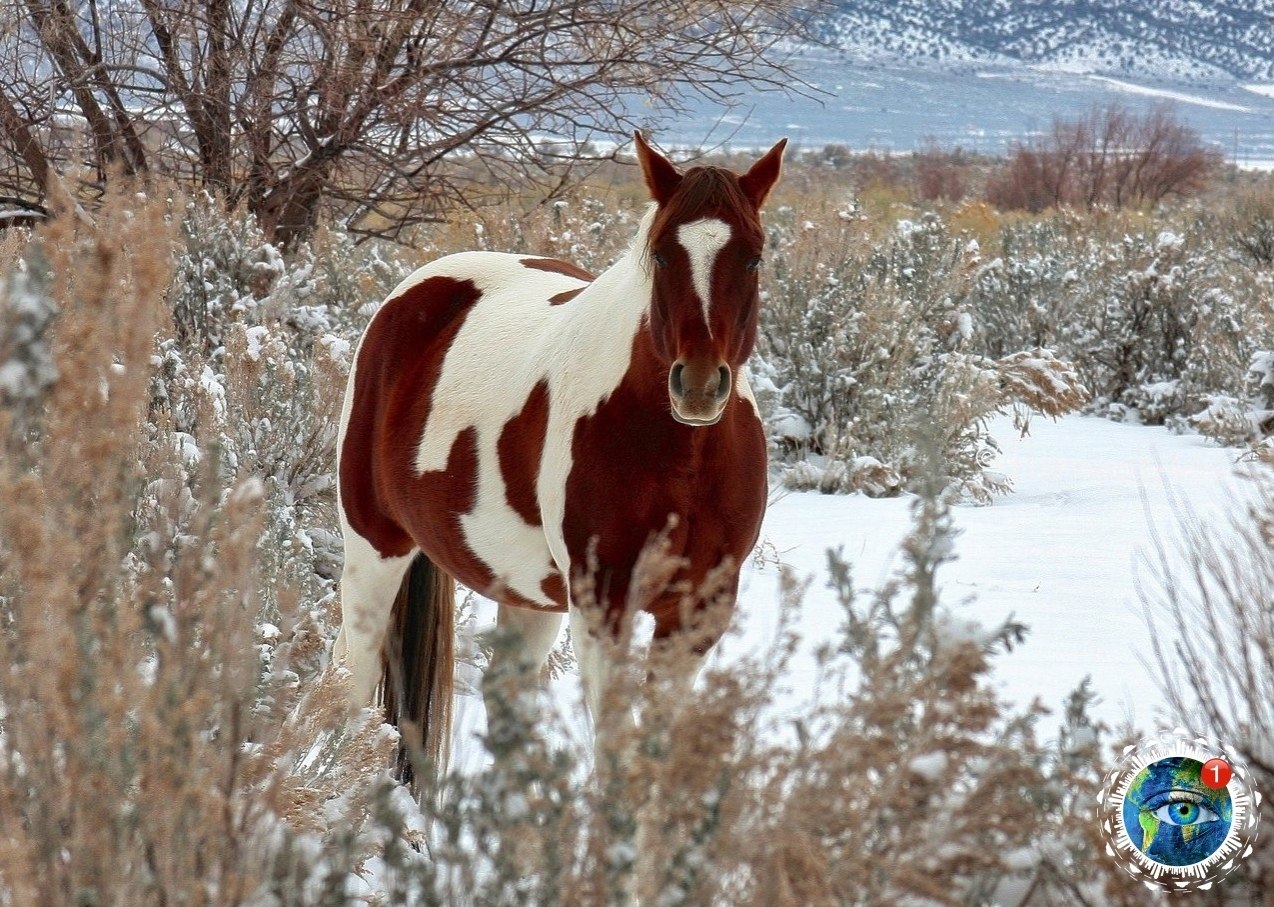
(498, 277)
(444, 377)
(504, 298)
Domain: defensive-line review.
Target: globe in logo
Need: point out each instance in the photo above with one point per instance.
(1172, 816)
(1178, 812)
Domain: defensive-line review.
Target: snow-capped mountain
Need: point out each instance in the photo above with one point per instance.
(1177, 40)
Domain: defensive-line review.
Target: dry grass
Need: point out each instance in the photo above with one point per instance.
(1213, 603)
(143, 757)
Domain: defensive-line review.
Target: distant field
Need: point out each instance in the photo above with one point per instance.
(979, 108)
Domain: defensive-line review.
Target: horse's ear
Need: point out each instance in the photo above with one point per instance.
(662, 178)
(762, 175)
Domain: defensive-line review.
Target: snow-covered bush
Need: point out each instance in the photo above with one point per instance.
(1158, 319)
(27, 369)
(864, 336)
(906, 779)
(1162, 315)
(168, 556)
(1246, 419)
(1022, 292)
(1250, 225)
(170, 729)
(225, 265)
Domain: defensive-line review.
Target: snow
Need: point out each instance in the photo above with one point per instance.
(1062, 555)
(791, 425)
(13, 379)
(930, 766)
(214, 391)
(1170, 95)
(338, 347)
(256, 337)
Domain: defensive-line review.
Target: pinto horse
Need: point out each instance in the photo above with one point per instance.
(518, 425)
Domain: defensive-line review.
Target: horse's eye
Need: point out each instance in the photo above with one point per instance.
(659, 260)
(754, 264)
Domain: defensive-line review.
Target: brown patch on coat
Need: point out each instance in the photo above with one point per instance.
(634, 467)
(520, 448)
(565, 296)
(554, 588)
(557, 266)
(398, 365)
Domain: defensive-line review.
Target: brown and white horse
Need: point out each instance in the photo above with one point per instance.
(519, 425)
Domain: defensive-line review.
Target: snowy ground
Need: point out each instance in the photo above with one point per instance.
(1061, 554)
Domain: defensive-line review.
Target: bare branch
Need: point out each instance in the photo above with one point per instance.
(364, 109)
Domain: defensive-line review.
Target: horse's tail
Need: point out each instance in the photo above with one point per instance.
(419, 665)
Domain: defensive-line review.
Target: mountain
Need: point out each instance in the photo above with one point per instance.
(1198, 41)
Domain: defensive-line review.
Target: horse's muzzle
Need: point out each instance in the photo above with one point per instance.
(698, 390)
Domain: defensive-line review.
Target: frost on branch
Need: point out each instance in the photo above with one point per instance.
(1248, 419)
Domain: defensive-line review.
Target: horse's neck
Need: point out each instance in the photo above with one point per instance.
(626, 285)
(599, 340)
(603, 320)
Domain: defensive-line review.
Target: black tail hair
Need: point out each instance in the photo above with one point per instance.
(419, 667)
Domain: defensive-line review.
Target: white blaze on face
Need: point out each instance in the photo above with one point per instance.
(702, 240)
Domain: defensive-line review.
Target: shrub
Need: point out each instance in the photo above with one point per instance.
(859, 335)
(939, 174)
(144, 755)
(1110, 157)
(1155, 321)
(1251, 225)
(170, 730)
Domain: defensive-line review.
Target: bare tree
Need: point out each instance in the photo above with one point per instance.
(1108, 156)
(381, 112)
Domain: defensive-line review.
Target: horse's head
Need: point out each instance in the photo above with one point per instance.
(704, 250)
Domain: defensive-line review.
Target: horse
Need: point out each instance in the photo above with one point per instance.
(518, 425)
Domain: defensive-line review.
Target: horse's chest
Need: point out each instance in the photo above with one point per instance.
(628, 488)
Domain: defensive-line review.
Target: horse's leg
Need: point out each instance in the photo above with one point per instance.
(538, 631)
(369, 585)
(594, 662)
(515, 674)
(677, 656)
(536, 634)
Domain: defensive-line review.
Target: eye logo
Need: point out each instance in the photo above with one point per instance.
(1178, 812)
(1172, 816)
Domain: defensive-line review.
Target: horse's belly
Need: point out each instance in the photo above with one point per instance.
(505, 559)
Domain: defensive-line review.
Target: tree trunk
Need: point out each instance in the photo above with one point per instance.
(288, 213)
(28, 146)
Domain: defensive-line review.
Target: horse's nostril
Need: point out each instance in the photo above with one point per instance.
(723, 385)
(674, 381)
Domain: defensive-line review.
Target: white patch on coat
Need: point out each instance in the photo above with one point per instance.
(369, 584)
(511, 340)
(702, 240)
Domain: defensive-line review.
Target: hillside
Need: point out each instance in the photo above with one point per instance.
(1179, 40)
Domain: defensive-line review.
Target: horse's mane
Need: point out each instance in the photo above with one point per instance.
(706, 192)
